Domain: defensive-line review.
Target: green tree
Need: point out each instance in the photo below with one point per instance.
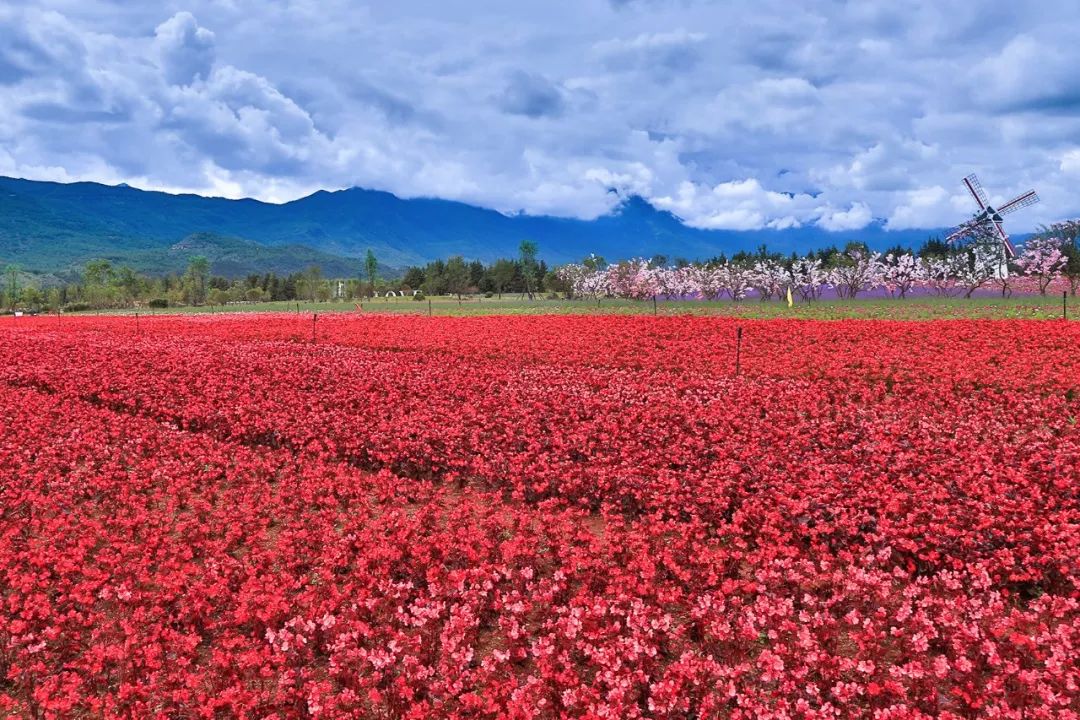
(11, 277)
(371, 266)
(435, 278)
(456, 275)
(196, 280)
(98, 279)
(527, 251)
(413, 278)
(594, 262)
(218, 296)
(502, 274)
(98, 273)
(130, 283)
(311, 281)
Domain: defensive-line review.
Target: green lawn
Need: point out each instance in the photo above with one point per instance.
(1030, 307)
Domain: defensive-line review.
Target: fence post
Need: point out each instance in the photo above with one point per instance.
(314, 317)
(653, 304)
(738, 351)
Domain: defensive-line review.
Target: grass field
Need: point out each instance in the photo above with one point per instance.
(1025, 307)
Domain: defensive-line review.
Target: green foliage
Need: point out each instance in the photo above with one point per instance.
(197, 280)
(371, 267)
(935, 248)
(456, 275)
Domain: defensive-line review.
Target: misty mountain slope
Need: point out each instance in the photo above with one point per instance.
(53, 227)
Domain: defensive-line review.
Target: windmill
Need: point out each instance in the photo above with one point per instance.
(988, 221)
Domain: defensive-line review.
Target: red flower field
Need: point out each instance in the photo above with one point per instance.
(588, 517)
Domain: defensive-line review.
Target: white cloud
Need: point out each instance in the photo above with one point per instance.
(186, 50)
(856, 217)
(1070, 162)
(932, 206)
(823, 113)
(738, 205)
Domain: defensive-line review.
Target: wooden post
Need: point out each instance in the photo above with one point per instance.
(137, 331)
(429, 307)
(653, 304)
(314, 317)
(738, 351)
(1064, 304)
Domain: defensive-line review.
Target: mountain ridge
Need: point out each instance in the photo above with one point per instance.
(55, 227)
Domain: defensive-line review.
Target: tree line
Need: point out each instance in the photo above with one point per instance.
(103, 284)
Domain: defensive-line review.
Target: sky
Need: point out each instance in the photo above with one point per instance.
(733, 115)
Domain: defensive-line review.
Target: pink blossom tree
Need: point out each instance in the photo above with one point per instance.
(901, 273)
(1042, 260)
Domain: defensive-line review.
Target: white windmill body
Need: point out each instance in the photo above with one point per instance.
(989, 221)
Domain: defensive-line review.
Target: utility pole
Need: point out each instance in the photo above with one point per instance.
(738, 350)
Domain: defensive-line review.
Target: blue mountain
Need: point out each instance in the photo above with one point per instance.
(55, 227)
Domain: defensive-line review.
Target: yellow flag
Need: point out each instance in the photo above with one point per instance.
(790, 301)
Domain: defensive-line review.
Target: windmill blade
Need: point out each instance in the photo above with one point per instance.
(976, 189)
(961, 230)
(1010, 251)
(1023, 201)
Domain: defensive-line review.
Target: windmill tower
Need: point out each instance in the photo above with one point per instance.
(988, 221)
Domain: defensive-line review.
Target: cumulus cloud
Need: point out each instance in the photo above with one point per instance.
(928, 205)
(737, 205)
(675, 51)
(531, 95)
(856, 217)
(827, 114)
(770, 104)
(1070, 162)
(186, 50)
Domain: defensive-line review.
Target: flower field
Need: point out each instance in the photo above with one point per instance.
(266, 516)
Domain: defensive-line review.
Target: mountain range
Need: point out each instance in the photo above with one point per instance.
(56, 227)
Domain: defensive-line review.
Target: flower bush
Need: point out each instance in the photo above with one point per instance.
(538, 517)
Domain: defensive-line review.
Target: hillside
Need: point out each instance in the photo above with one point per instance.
(54, 227)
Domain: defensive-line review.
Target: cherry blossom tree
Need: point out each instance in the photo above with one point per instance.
(900, 273)
(736, 280)
(980, 263)
(941, 274)
(1069, 232)
(1042, 260)
(769, 278)
(808, 278)
(858, 270)
(634, 279)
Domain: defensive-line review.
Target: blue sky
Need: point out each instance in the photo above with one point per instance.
(731, 114)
